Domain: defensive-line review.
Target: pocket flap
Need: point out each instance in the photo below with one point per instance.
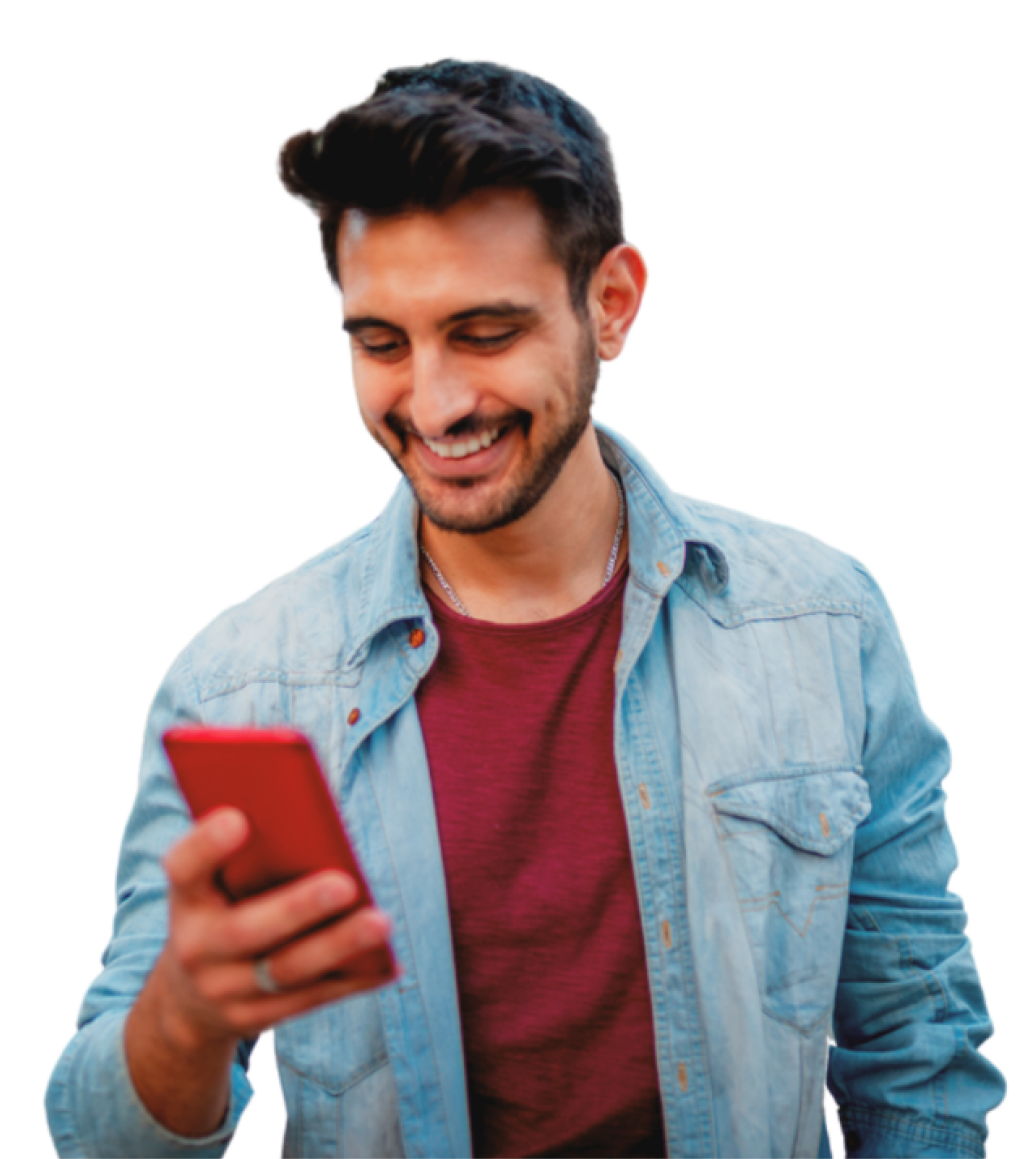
(816, 812)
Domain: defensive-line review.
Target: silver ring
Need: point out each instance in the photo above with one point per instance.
(264, 978)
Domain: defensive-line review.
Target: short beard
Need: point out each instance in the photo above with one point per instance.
(542, 469)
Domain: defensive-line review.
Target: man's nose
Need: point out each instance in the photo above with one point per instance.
(441, 393)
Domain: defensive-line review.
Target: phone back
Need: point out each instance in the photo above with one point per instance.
(272, 776)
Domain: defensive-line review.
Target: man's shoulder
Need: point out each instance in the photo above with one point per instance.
(770, 570)
(295, 629)
(737, 566)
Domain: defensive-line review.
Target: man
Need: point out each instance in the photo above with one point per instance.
(641, 786)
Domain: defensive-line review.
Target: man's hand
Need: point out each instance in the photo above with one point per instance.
(203, 995)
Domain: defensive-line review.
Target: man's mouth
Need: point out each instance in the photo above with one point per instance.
(468, 445)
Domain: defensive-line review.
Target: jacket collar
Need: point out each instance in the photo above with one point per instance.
(667, 540)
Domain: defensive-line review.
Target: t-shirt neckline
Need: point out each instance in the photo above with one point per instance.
(443, 610)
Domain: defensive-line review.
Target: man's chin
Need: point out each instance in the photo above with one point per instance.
(465, 507)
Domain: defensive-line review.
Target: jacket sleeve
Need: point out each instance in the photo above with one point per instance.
(910, 1015)
(91, 1104)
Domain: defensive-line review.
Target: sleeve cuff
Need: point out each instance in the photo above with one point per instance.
(94, 1110)
(872, 1133)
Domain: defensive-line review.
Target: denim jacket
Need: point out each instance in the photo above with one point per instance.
(781, 789)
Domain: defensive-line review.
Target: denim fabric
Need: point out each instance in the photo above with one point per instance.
(781, 789)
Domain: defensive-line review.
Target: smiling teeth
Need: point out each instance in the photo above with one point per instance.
(461, 450)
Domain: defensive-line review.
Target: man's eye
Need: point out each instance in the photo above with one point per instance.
(392, 347)
(485, 340)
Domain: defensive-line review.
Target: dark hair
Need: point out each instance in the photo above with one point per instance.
(432, 135)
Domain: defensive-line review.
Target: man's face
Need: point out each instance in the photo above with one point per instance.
(472, 370)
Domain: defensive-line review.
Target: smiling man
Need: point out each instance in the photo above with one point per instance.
(476, 373)
(641, 786)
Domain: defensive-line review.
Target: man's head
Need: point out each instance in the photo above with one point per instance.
(471, 218)
(472, 368)
(430, 136)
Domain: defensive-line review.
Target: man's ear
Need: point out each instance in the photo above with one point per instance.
(616, 292)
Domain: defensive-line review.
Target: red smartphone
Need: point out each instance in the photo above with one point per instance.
(272, 776)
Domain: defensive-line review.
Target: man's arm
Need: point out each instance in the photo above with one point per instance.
(910, 1016)
(91, 1102)
(165, 1031)
(202, 998)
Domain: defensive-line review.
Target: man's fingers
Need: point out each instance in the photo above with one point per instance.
(327, 951)
(250, 1017)
(191, 863)
(304, 964)
(258, 925)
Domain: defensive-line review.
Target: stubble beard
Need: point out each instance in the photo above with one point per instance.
(536, 473)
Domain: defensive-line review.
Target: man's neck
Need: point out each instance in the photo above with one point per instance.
(544, 565)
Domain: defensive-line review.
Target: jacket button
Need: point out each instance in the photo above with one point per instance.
(645, 796)
(681, 1076)
(662, 568)
(824, 824)
(416, 637)
(667, 935)
(353, 716)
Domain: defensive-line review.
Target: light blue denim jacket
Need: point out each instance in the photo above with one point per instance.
(781, 788)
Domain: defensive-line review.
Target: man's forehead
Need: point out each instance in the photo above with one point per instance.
(492, 236)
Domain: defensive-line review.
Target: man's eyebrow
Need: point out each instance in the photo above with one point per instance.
(511, 311)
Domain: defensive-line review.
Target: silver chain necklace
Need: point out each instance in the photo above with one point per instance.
(610, 567)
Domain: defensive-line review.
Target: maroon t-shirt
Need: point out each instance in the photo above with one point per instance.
(553, 989)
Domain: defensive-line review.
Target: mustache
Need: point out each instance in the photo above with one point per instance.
(469, 425)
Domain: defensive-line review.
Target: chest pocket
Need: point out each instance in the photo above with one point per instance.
(335, 1046)
(789, 841)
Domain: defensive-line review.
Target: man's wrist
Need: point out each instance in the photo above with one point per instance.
(180, 1068)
